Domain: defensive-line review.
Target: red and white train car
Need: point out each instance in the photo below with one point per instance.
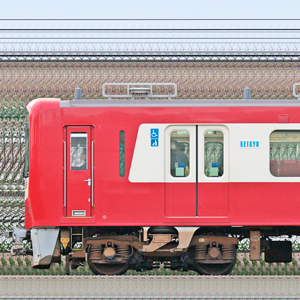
(133, 183)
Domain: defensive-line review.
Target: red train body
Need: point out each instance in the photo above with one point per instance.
(102, 173)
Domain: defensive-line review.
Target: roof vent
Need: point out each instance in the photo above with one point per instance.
(247, 94)
(77, 95)
(140, 91)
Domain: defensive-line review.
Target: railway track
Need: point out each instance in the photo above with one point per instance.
(149, 287)
(146, 297)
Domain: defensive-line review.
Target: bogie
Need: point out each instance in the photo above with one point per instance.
(114, 255)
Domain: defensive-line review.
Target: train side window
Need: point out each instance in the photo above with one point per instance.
(78, 151)
(213, 153)
(122, 153)
(285, 153)
(180, 153)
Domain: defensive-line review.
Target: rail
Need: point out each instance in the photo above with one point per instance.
(147, 297)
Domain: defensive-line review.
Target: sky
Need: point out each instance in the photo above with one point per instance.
(132, 9)
(154, 9)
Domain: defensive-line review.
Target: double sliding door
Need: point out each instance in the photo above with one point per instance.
(196, 171)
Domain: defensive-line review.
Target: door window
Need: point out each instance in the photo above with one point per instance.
(179, 153)
(78, 151)
(213, 153)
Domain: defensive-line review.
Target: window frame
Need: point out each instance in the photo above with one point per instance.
(189, 140)
(86, 150)
(203, 169)
(278, 161)
(121, 159)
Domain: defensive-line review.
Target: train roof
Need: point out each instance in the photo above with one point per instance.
(182, 103)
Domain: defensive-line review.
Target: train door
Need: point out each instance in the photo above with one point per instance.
(180, 171)
(196, 172)
(78, 171)
(213, 172)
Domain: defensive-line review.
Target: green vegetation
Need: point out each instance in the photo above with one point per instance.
(22, 266)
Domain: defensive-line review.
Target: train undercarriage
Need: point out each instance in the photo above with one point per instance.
(113, 251)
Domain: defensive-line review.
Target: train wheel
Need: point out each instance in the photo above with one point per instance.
(95, 253)
(108, 269)
(228, 252)
(214, 269)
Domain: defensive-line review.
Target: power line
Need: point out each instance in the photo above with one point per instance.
(150, 38)
(149, 19)
(149, 30)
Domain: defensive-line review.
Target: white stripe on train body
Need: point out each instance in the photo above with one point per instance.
(247, 163)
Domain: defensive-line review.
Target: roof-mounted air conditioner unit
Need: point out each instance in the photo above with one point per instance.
(139, 92)
(140, 89)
